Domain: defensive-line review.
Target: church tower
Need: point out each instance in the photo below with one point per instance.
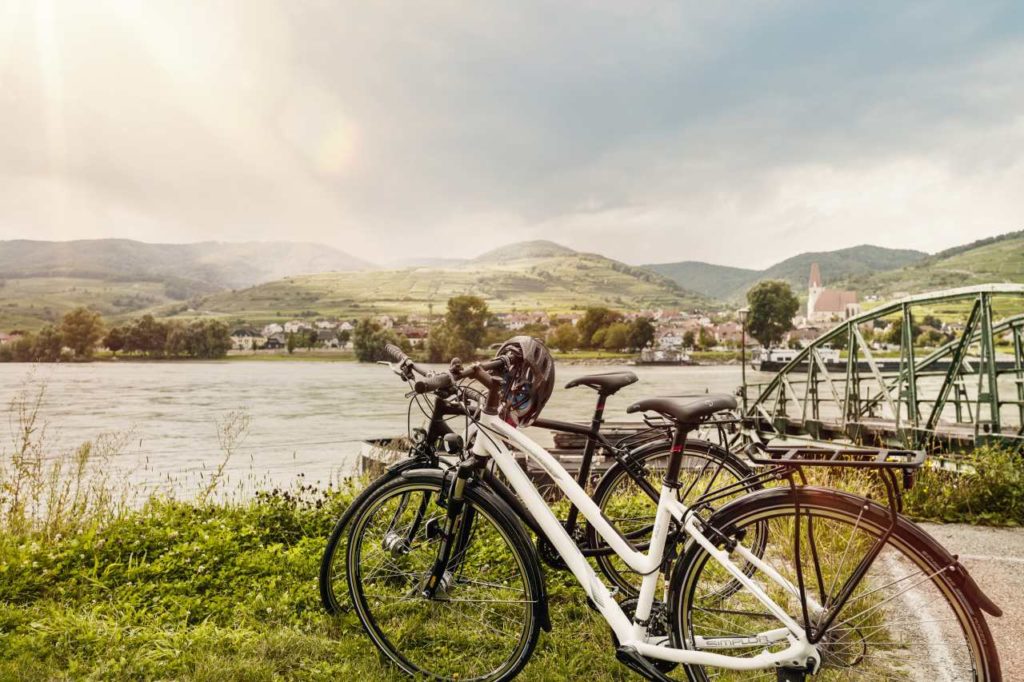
(814, 290)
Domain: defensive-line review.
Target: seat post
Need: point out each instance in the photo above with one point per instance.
(675, 458)
(583, 476)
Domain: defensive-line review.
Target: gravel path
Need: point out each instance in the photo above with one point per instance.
(995, 558)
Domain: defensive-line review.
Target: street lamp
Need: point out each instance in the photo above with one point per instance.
(742, 313)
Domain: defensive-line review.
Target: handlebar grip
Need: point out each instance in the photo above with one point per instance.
(433, 383)
(395, 352)
(491, 365)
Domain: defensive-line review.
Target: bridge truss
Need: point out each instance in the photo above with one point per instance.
(966, 392)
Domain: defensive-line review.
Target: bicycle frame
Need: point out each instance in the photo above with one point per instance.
(800, 652)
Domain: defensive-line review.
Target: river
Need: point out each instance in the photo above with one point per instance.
(305, 418)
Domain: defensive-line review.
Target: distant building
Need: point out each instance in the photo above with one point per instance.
(825, 305)
(247, 339)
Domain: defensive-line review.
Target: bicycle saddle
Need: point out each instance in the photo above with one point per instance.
(607, 383)
(689, 411)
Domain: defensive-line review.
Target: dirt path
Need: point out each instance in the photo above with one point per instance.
(995, 557)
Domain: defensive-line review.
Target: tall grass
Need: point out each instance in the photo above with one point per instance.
(51, 491)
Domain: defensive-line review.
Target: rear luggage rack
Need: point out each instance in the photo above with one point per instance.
(782, 455)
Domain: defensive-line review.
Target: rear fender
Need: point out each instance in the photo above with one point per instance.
(937, 555)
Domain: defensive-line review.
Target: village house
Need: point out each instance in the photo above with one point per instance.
(729, 333)
(328, 338)
(294, 326)
(416, 334)
(276, 341)
(272, 329)
(247, 339)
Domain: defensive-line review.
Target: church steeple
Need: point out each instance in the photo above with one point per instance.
(815, 281)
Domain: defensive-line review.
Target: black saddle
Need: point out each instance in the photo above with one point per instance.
(607, 383)
(688, 411)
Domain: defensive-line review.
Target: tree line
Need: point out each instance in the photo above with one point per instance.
(602, 328)
(81, 331)
(468, 325)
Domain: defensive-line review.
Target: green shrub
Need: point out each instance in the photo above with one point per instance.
(989, 490)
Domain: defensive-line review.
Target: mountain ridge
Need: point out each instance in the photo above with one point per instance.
(731, 283)
(207, 266)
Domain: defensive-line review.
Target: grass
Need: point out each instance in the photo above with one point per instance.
(30, 303)
(189, 590)
(97, 584)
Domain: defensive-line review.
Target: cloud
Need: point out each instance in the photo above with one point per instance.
(650, 131)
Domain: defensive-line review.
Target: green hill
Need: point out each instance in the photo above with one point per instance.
(997, 259)
(41, 280)
(715, 281)
(530, 276)
(729, 283)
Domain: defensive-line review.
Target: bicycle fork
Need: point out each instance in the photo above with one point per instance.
(454, 534)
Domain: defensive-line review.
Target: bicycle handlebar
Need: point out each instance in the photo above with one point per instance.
(434, 382)
(396, 353)
(442, 380)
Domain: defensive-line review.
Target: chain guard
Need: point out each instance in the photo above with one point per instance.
(550, 556)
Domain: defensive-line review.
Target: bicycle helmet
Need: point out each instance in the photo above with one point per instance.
(528, 381)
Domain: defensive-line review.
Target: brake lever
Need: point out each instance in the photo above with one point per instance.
(397, 369)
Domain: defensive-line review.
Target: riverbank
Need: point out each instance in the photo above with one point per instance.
(191, 590)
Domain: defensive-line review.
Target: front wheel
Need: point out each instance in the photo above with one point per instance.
(906, 619)
(483, 621)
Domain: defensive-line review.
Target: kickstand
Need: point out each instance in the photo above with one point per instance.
(791, 675)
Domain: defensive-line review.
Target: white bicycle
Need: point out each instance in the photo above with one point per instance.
(448, 585)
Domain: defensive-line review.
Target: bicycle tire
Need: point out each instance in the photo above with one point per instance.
(486, 508)
(909, 545)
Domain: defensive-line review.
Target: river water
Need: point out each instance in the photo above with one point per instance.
(305, 418)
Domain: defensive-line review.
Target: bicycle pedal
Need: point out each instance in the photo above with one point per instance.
(632, 659)
(791, 675)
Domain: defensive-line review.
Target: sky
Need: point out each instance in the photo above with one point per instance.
(734, 133)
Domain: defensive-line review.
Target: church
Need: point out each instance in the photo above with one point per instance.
(828, 305)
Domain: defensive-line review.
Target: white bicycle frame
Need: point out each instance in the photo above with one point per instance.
(634, 633)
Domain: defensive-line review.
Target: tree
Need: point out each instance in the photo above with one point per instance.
(564, 337)
(706, 340)
(462, 330)
(772, 307)
(343, 337)
(641, 333)
(616, 336)
(689, 339)
(82, 329)
(467, 316)
(369, 339)
(115, 339)
(48, 344)
(147, 335)
(595, 318)
(291, 343)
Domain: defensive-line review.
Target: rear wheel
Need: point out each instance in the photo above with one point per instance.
(705, 469)
(907, 619)
(482, 624)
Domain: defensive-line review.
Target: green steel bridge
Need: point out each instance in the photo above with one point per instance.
(965, 393)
